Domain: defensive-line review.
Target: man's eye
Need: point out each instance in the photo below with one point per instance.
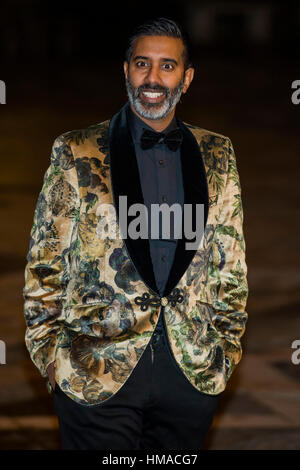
(168, 66)
(141, 63)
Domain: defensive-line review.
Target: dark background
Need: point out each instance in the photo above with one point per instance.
(62, 63)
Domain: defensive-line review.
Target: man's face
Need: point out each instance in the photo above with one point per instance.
(155, 78)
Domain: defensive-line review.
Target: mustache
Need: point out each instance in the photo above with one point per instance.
(147, 86)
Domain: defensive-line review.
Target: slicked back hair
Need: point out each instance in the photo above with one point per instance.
(160, 27)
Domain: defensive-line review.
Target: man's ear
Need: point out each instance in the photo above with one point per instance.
(188, 77)
(125, 67)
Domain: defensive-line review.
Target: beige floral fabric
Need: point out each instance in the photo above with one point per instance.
(81, 285)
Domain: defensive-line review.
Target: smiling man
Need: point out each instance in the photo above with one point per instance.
(157, 73)
(138, 337)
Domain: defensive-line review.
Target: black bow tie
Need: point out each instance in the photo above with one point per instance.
(172, 138)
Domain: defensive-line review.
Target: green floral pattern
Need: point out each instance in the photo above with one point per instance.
(80, 288)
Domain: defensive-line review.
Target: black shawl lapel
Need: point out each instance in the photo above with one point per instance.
(126, 181)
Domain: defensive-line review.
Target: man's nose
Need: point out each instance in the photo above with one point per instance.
(153, 76)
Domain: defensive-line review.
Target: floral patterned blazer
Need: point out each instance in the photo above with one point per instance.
(90, 298)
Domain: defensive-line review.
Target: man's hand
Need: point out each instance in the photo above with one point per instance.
(51, 374)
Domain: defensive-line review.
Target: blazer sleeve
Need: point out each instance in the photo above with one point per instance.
(47, 268)
(228, 269)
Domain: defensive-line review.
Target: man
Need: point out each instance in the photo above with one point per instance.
(138, 335)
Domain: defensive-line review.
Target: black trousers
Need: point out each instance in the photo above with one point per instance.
(156, 409)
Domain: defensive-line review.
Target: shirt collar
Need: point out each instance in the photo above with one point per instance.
(137, 125)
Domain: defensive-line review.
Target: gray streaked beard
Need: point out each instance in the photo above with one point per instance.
(151, 112)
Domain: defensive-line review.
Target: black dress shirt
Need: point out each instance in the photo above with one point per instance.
(161, 180)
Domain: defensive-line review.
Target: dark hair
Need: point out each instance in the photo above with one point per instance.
(160, 27)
